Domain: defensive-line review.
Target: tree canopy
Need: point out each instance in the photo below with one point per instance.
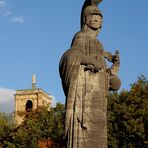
(38, 125)
(128, 116)
(127, 122)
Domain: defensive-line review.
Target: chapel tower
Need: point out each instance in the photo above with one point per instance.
(28, 100)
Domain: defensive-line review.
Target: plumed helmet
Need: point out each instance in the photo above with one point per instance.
(90, 7)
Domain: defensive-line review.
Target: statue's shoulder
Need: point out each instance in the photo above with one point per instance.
(80, 34)
(79, 37)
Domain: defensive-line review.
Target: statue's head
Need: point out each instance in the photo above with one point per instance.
(92, 17)
(89, 10)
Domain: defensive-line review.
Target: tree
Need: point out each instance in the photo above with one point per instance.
(38, 125)
(127, 122)
(6, 126)
(127, 116)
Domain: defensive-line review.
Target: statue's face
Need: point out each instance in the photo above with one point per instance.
(94, 21)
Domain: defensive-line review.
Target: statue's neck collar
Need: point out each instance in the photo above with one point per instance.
(90, 32)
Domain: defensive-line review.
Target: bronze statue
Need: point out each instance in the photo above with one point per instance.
(86, 81)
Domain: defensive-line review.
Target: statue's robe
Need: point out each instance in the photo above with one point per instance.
(85, 91)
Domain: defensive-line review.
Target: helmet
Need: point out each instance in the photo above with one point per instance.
(91, 10)
(88, 9)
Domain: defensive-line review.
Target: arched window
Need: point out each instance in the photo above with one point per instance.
(29, 106)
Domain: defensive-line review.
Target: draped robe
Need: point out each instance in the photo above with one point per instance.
(85, 91)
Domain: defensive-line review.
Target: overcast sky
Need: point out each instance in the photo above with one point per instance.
(35, 34)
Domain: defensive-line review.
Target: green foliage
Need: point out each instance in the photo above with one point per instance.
(38, 125)
(127, 116)
(127, 122)
(57, 123)
(6, 125)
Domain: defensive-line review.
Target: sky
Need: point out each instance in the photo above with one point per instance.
(36, 33)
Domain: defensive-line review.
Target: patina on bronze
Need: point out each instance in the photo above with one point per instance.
(86, 80)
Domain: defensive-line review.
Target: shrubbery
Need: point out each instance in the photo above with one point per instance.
(127, 122)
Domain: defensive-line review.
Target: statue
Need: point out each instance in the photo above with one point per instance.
(86, 81)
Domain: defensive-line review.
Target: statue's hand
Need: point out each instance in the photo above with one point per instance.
(90, 67)
(97, 67)
(93, 68)
(116, 58)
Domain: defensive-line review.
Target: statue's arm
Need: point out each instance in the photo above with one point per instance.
(108, 56)
(114, 81)
(87, 60)
(115, 59)
(79, 45)
(90, 63)
(114, 68)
